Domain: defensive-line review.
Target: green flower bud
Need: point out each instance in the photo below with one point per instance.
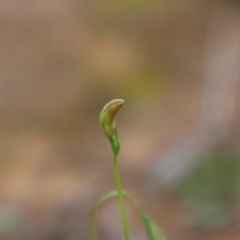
(108, 124)
(107, 116)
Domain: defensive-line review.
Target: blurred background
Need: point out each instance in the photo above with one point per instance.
(177, 66)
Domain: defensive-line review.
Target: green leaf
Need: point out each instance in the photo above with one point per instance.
(153, 231)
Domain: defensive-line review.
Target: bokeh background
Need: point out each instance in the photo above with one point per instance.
(177, 66)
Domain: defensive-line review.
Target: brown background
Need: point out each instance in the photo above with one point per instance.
(175, 63)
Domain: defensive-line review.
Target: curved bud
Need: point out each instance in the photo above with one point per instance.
(107, 115)
(108, 124)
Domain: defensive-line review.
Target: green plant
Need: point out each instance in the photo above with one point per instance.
(210, 192)
(109, 126)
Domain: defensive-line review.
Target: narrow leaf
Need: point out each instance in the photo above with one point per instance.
(153, 231)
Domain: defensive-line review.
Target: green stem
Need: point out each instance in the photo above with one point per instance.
(134, 203)
(94, 210)
(101, 201)
(120, 197)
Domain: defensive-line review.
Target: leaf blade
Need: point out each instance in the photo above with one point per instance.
(153, 231)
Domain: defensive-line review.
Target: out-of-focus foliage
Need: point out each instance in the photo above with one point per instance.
(212, 190)
(9, 221)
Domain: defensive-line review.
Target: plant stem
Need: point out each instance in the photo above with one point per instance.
(101, 201)
(120, 197)
(94, 210)
(93, 225)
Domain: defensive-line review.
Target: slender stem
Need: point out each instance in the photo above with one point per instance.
(94, 210)
(135, 204)
(101, 201)
(93, 223)
(120, 198)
